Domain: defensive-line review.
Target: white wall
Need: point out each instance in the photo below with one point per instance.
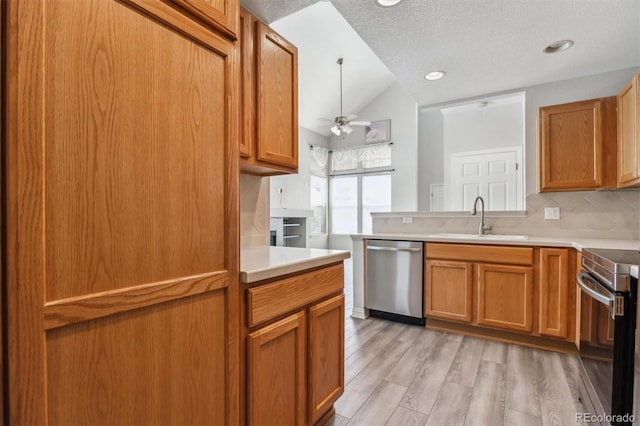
(396, 104)
(430, 154)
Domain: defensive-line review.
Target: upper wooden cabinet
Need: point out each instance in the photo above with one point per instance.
(629, 134)
(577, 145)
(221, 15)
(269, 134)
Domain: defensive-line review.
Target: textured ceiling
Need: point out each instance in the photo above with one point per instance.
(485, 46)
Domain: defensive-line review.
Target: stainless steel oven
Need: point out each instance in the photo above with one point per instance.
(607, 353)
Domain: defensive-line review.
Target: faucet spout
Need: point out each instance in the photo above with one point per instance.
(482, 228)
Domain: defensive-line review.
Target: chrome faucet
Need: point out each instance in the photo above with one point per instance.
(482, 228)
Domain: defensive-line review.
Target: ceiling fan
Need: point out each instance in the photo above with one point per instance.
(342, 124)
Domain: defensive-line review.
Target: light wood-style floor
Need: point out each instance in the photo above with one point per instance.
(397, 374)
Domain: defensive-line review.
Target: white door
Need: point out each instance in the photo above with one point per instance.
(492, 174)
(436, 193)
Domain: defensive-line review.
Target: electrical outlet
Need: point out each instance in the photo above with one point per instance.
(552, 213)
(407, 220)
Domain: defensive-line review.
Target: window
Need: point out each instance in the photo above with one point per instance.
(319, 160)
(376, 197)
(360, 185)
(319, 199)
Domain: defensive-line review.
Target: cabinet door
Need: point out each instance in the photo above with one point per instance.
(122, 277)
(326, 356)
(605, 326)
(505, 297)
(448, 290)
(571, 146)
(628, 145)
(554, 292)
(276, 384)
(247, 83)
(219, 14)
(277, 98)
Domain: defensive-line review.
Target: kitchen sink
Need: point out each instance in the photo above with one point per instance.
(482, 237)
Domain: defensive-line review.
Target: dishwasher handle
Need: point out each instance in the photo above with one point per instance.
(409, 249)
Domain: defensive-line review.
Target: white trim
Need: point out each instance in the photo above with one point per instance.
(360, 313)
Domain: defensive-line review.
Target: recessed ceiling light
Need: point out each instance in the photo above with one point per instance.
(558, 46)
(434, 75)
(387, 3)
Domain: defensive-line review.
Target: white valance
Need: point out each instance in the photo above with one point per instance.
(319, 159)
(361, 158)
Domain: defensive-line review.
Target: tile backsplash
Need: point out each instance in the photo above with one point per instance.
(254, 211)
(593, 214)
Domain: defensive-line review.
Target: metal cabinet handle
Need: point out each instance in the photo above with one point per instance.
(412, 250)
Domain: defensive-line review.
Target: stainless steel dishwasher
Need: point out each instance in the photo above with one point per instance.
(394, 280)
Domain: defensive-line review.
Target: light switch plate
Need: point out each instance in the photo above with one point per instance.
(552, 213)
(407, 220)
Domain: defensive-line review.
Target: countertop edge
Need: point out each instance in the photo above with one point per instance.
(255, 275)
(577, 243)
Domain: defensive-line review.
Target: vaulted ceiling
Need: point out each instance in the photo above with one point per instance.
(485, 46)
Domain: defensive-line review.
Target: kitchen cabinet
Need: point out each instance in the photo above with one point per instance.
(578, 145)
(295, 347)
(629, 134)
(121, 285)
(521, 290)
(269, 85)
(276, 373)
(554, 278)
(220, 15)
(448, 290)
(505, 297)
(326, 356)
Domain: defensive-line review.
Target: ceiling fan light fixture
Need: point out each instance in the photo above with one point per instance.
(434, 75)
(347, 129)
(387, 3)
(335, 130)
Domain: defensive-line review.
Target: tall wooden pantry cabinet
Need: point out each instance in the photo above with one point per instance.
(120, 181)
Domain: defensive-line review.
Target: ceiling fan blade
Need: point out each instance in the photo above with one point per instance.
(326, 119)
(360, 123)
(351, 117)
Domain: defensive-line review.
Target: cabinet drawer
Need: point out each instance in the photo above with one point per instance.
(481, 253)
(278, 298)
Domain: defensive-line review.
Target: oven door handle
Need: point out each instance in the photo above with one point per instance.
(596, 291)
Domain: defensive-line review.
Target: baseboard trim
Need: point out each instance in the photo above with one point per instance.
(360, 313)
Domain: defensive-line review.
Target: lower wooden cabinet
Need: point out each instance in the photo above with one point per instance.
(518, 289)
(448, 290)
(295, 365)
(554, 292)
(505, 297)
(326, 356)
(276, 373)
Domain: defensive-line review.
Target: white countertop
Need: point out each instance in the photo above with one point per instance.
(264, 262)
(577, 243)
(634, 271)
